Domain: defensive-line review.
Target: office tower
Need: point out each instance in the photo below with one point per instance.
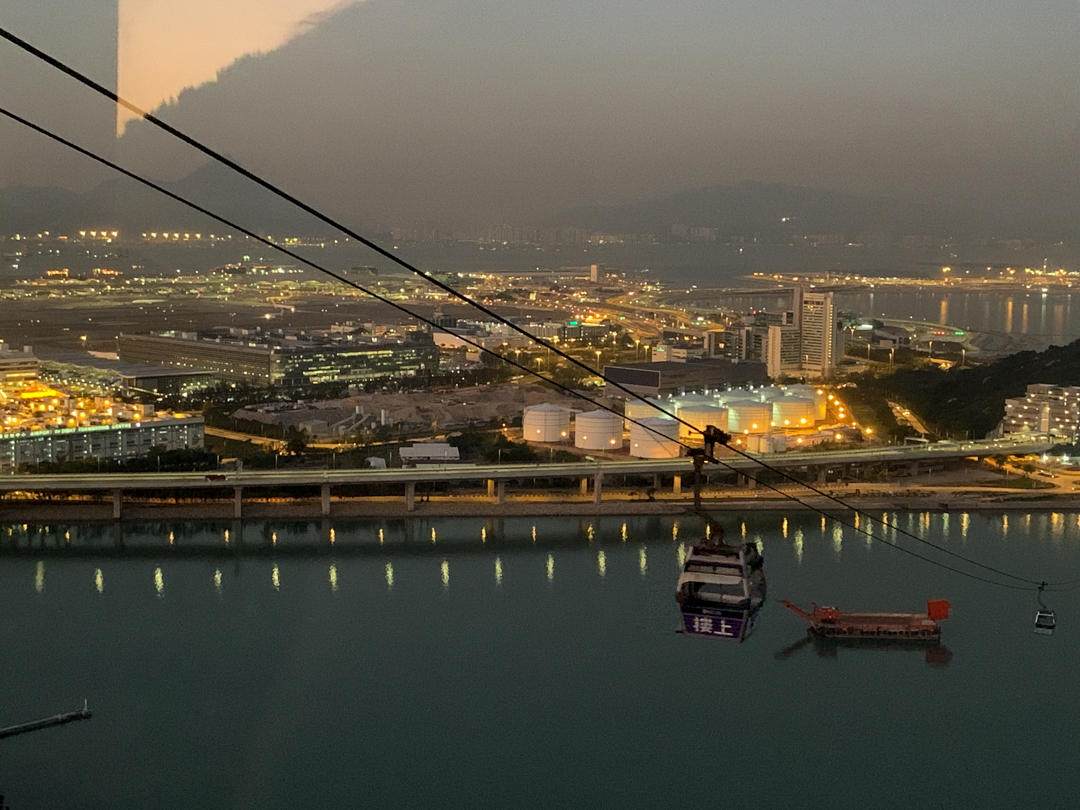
(783, 350)
(822, 339)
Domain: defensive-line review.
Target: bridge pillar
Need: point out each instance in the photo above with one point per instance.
(914, 469)
(820, 475)
(410, 496)
(117, 503)
(584, 487)
(676, 485)
(500, 491)
(491, 487)
(325, 500)
(751, 483)
(238, 502)
(598, 488)
(656, 481)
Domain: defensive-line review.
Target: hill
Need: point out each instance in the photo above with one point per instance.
(766, 209)
(970, 402)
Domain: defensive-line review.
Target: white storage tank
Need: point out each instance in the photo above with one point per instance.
(701, 416)
(598, 430)
(693, 400)
(768, 393)
(723, 397)
(748, 416)
(545, 423)
(636, 409)
(819, 395)
(793, 412)
(663, 443)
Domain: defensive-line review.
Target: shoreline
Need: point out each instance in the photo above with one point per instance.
(32, 511)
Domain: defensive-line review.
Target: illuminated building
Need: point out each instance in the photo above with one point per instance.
(17, 365)
(120, 441)
(281, 359)
(822, 339)
(1049, 409)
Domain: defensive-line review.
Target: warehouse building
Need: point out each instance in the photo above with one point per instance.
(709, 373)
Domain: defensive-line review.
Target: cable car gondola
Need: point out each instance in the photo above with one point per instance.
(1045, 622)
(722, 587)
(1044, 616)
(721, 590)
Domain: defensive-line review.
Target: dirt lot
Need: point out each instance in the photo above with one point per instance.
(446, 408)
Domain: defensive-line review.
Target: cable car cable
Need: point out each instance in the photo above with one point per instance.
(298, 257)
(217, 156)
(446, 288)
(236, 167)
(206, 212)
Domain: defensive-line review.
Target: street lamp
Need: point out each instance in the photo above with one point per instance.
(598, 353)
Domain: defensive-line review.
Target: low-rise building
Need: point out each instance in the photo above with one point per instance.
(662, 379)
(16, 365)
(1049, 409)
(119, 441)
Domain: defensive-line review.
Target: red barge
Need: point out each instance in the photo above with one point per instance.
(833, 623)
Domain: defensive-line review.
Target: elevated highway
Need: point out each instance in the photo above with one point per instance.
(496, 475)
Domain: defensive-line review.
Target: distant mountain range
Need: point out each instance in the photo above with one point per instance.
(747, 209)
(775, 209)
(127, 206)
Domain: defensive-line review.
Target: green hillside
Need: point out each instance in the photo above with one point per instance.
(969, 402)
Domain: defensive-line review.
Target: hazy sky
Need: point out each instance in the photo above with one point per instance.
(505, 110)
(167, 45)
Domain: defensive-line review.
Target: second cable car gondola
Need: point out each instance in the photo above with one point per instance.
(1045, 622)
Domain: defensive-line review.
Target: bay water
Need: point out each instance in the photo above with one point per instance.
(525, 663)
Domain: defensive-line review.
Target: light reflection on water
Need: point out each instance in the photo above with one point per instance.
(359, 666)
(1058, 527)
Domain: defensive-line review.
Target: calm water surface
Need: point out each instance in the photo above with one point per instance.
(1047, 319)
(536, 667)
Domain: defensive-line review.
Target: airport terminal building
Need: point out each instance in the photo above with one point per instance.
(281, 359)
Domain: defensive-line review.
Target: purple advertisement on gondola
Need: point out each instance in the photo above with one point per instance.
(699, 624)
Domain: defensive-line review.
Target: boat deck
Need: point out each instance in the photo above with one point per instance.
(833, 623)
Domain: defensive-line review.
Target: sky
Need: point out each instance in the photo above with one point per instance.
(507, 110)
(166, 46)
